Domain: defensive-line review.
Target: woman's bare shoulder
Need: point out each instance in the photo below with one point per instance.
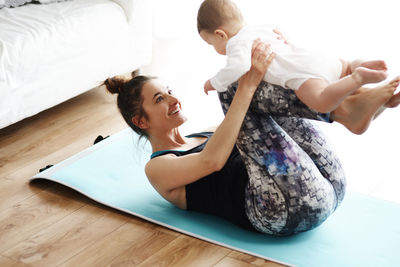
(211, 128)
(159, 160)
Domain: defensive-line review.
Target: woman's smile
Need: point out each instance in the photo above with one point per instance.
(175, 111)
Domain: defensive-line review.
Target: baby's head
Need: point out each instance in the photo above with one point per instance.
(218, 21)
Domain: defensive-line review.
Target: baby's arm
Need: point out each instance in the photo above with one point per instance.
(238, 63)
(208, 87)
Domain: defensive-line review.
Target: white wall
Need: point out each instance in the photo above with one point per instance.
(350, 29)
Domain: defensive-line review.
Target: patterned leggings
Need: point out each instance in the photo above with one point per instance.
(295, 179)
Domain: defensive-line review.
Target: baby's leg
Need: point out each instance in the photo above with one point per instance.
(313, 93)
(318, 94)
(323, 97)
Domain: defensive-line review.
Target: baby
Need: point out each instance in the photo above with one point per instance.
(320, 81)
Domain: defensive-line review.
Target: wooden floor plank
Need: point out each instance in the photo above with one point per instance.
(15, 186)
(231, 262)
(244, 262)
(143, 249)
(66, 238)
(33, 215)
(187, 251)
(252, 260)
(129, 245)
(7, 262)
(14, 191)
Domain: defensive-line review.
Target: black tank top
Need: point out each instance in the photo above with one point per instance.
(221, 193)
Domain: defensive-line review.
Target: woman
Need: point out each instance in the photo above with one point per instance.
(285, 180)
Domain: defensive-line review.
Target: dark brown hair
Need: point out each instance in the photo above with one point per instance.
(130, 99)
(213, 14)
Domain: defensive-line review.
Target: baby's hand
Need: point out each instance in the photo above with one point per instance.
(208, 87)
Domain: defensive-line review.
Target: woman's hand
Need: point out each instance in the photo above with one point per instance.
(280, 36)
(261, 58)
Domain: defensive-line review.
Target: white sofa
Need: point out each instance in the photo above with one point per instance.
(52, 52)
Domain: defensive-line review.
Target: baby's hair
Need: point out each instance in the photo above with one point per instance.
(213, 14)
(129, 100)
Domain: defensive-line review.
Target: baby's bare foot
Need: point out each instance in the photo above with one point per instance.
(374, 64)
(357, 111)
(364, 75)
(369, 64)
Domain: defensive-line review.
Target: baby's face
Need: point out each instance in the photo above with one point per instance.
(218, 41)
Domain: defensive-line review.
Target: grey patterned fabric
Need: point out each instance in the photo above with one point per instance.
(295, 179)
(49, 1)
(17, 3)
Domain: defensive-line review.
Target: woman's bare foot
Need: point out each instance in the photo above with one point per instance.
(357, 111)
(393, 102)
(364, 75)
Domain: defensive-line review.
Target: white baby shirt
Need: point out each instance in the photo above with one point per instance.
(291, 67)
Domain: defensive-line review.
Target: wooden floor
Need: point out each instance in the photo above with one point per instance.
(44, 224)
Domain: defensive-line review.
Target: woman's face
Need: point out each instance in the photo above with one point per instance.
(163, 109)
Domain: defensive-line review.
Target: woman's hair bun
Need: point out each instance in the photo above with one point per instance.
(135, 73)
(114, 85)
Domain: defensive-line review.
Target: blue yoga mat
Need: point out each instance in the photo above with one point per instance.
(364, 231)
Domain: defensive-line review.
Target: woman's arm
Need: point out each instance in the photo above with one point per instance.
(169, 172)
(221, 144)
